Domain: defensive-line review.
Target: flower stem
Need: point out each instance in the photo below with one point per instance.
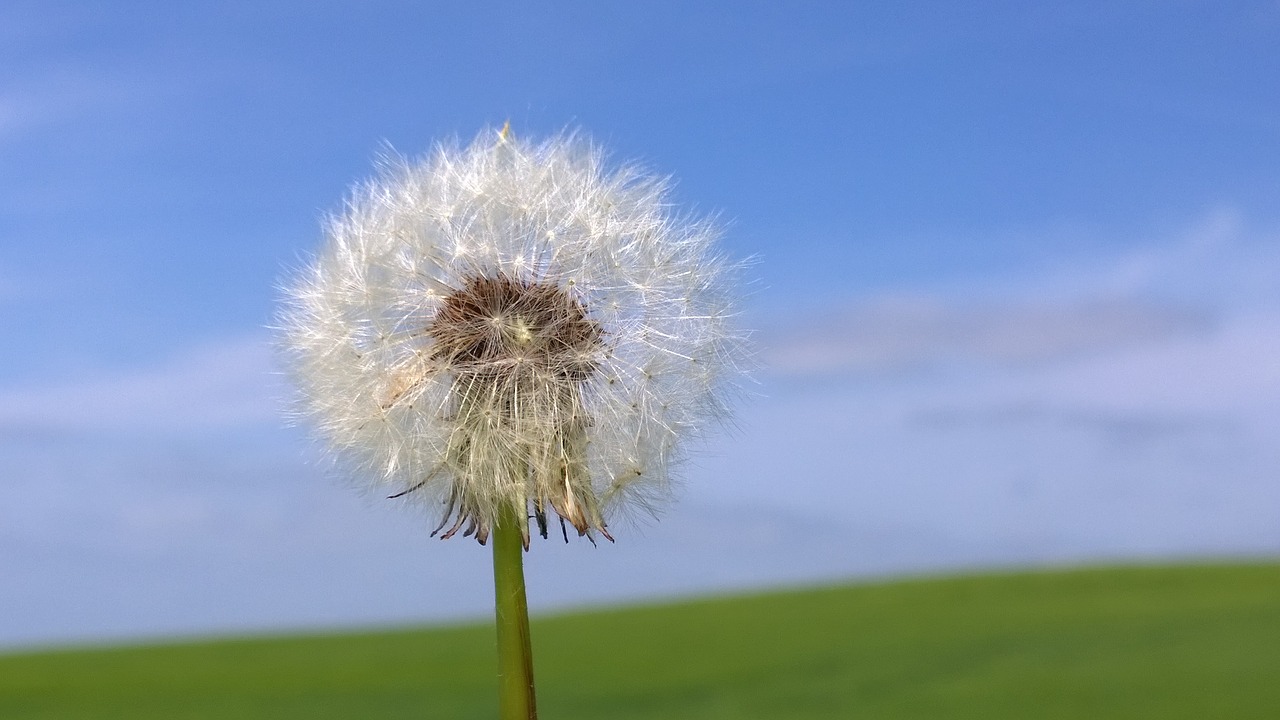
(515, 654)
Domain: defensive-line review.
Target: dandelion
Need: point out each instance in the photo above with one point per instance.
(511, 332)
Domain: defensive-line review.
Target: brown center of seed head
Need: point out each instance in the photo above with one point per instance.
(500, 325)
(519, 352)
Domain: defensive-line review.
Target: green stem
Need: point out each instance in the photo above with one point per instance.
(515, 654)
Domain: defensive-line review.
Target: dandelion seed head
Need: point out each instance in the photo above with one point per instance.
(514, 325)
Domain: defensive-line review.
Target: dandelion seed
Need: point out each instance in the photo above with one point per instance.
(513, 328)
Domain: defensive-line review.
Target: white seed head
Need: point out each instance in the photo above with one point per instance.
(514, 326)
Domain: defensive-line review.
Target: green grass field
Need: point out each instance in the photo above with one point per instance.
(1166, 642)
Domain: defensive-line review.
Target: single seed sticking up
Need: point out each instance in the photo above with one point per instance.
(519, 352)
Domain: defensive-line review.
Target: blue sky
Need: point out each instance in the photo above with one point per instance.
(1016, 295)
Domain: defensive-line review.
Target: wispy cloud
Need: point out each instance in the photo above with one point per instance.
(35, 102)
(1191, 285)
(1219, 257)
(10, 288)
(1121, 428)
(921, 332)
(219, 386)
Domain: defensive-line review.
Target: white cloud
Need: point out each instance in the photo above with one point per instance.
(220, 386)
(9, 287)
(906, 333)
(40, 101)
(1183, 291)
(1231, 372)
(1219, 258)
(81, 94)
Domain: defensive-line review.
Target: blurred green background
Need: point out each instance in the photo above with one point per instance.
(1145, 642)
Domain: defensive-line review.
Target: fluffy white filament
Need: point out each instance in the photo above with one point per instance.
(520, 412)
